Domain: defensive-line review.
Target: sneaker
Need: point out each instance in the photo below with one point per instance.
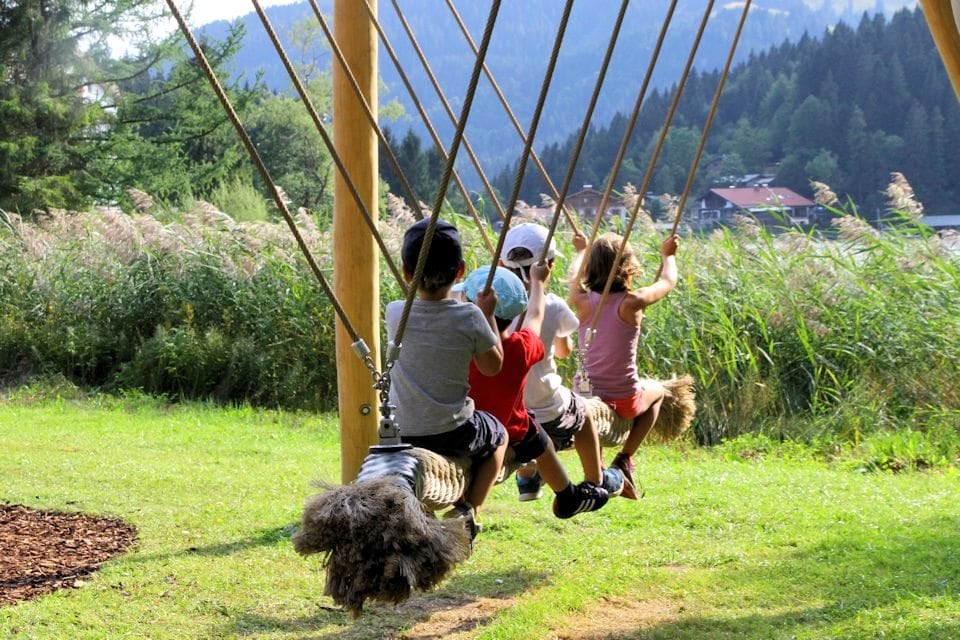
(529, 488)
(613, 482)
(624, 464)
(586, 497)
(469, 516)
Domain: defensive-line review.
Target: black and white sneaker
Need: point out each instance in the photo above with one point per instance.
(585, 497)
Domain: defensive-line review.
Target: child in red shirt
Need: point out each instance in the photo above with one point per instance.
(502, 394)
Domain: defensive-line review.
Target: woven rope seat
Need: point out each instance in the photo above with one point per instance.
(443, 479)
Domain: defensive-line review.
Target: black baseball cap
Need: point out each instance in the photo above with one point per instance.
(445, 253)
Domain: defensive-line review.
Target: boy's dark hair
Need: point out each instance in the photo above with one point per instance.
(443, 260)
(502, 323)
(517, 254)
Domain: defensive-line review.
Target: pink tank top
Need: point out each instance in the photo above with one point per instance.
(611, 358)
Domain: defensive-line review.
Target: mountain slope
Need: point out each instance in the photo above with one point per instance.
(520, 49)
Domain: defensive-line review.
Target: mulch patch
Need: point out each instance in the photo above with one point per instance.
(45, 550)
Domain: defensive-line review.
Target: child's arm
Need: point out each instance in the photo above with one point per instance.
(489, 362)
(668, 276)
(536, 298)
(562, 347)
(576, 296)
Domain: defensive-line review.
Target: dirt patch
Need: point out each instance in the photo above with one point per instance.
(615, 618)
(452, 617)
(45, 550)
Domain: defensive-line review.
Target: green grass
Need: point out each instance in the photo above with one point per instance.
(726, 543)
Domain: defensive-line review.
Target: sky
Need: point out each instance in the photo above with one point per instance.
(205, 11)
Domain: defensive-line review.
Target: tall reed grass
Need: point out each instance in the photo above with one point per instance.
(787, 334)
(198, 306)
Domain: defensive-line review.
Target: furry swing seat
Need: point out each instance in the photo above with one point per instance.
(379, 536)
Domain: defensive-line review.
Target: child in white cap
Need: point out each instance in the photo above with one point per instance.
(502, 394)
(562, 414)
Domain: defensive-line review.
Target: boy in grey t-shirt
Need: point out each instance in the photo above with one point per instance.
(429, 379)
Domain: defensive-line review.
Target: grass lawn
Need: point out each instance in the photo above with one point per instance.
(720, 547)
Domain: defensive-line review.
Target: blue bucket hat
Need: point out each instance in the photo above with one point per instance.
(511, 295)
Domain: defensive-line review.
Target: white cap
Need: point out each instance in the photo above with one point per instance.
(527, 236)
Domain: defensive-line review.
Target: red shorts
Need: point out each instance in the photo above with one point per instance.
(629, 407)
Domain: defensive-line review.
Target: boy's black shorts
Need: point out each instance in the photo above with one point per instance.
(534, 443)
(568, 424)
(477, 438)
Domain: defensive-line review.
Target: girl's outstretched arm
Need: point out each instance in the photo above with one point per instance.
(575, 293)
(668, 275)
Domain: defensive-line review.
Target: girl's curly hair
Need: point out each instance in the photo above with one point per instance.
(600, 261)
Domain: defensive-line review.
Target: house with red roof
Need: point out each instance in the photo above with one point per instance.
(770, 206)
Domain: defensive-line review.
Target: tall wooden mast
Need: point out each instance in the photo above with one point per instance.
(355, 256)
(943, 18)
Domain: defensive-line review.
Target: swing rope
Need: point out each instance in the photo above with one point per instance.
(513, 118)
(328, 142)
(631, 124)
(394, 347)
(438, 144)
(528, 144)
(649, 174)
(584, 127)
(682, 203)
(264, 173)
(447, 108)
(690, 175)
(371, 118)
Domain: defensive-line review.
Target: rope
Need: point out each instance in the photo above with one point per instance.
(631, 123)
(528, 144)
(252, 150)
(444, 183)
(426, 121)
(649, 174)
(513, 118)
(371, 118)
(446, 106)
(709, 122)
(305, 98)
(587, 117)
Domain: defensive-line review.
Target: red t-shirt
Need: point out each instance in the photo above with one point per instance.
(502, 394)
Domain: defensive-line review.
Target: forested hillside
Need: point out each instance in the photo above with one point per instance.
(80, 124)
(847, 108)
(520, 49)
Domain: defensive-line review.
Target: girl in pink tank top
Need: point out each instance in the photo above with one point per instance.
(610, 355)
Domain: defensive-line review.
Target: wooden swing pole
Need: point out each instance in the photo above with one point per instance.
(355, 257)
(943, 18)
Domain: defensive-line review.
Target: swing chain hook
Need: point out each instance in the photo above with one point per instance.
(388, 432)
(584, 387)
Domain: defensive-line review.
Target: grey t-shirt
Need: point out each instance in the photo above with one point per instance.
(429, 380)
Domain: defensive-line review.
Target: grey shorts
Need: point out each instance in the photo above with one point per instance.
(477, 438)
(562, 430)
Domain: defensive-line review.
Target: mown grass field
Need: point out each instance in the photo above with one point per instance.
(729, 542)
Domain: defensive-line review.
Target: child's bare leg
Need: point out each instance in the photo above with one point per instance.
(485, 476)
(552, 470)
(651, 399)
(653, 394)
(587, 444)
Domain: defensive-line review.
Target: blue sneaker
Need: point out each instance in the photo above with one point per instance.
(613, 482)
(530, 488)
